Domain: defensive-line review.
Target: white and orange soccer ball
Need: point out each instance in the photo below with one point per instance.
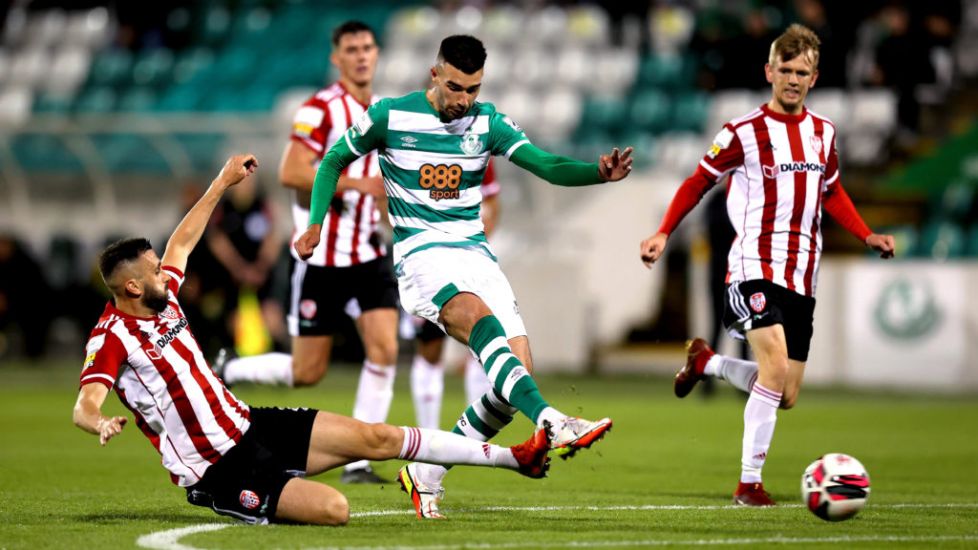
(835, 487)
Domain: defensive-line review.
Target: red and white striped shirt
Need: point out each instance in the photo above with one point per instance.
(783, 170)
(160, 374)
(346, 238)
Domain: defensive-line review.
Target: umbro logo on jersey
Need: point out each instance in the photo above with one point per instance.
(409, 141)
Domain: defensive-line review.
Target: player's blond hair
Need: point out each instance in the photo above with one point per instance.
(797, 40)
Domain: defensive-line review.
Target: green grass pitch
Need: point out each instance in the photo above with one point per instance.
(662, 477)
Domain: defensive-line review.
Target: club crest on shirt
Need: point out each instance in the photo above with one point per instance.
(816, 142)
(170, 313)
(758, 301)
(249, 499)
(471, 144)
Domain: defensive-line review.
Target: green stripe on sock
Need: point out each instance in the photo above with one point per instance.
(497, 414)
(477, 423)
(525, 395)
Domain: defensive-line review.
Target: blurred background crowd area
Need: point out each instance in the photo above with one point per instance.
(115, 115)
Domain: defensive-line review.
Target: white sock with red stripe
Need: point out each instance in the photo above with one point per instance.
(375, 392)
(760, 416)
(268, 368)
(438, 447)
(477, 382)
(741, 374)
(427, 388)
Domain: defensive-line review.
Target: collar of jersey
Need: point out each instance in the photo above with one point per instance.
(780, 117)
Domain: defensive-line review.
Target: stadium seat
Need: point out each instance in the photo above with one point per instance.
(574, 65)
(129, 153)
(190, 63)
(942, 240)
(68, 70)
(560, 112)
(727, 105)
(971, 251)
(650, 110)
(111, 67)
(587, 24)
(138, 100)
(614, 71)
(690, 110)
(15, 105)
(644, 144)
(153, 68)
(832, 103)
(44, 153)
(874, 110)
(666, 72)
(955, 202)
(97, 99)
(604, 113)
(28, 67)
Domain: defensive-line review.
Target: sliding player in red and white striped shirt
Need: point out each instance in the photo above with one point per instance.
(244, 462)
(351, 264)
(783, 169)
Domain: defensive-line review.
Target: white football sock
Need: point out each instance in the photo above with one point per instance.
(551, 414)
(427, 387)
(741, 374)
(267, 368)
(437, 447)
(760, 416)
(374, 394)
(477, 382)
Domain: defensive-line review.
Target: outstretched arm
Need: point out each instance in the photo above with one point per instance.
(565, 171)
(190, 229)
(88, 413)
(687, 197)
(340, 155)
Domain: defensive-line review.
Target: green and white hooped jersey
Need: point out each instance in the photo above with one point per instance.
(432, 169)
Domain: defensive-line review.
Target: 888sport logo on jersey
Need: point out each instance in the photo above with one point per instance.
(441, 180)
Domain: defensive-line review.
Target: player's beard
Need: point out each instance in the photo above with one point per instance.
(155, 301)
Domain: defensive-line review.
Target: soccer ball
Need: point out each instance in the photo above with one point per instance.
(835, 487)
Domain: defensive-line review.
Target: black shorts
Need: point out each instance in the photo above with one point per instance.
(429, 332)
(760, 303)
(319, 295)
(247, 481)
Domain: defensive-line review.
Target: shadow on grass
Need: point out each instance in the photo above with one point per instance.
(126, 516)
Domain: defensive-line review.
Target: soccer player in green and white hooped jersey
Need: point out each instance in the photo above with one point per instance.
(434, 146)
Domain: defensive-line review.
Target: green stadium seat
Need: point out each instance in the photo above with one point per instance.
(201, 149)
(44, 153)
(138, 100)
(670, 72)
(942, 240)
(182, 98)
(100, 99)
(604, 113)
(47, 103)
(907, 240)
(129, 153)
(190, 63)
(690, 111)
(971, 250)
(956, 201)
(644, 145)
(650, 110)
(111, 68)
(153, 68)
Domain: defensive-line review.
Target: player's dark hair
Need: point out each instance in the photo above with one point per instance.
(125, 250)
(465, 53)
(351, 27)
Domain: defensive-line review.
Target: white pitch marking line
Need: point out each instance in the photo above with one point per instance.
(640, 508)
(170, 539)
